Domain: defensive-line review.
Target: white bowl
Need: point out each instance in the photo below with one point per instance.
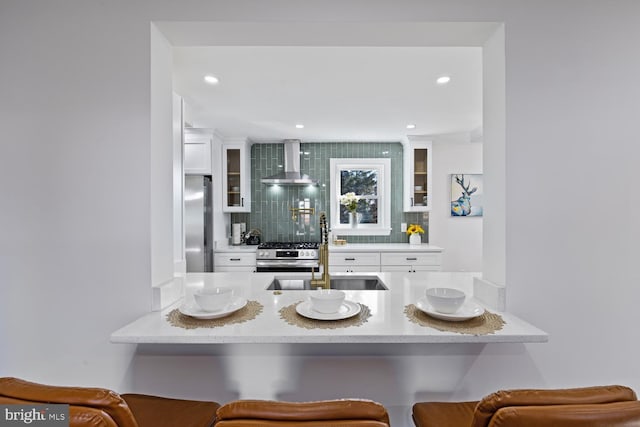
(213, 299)
(326, 300)
(445, 300)
(418, 187)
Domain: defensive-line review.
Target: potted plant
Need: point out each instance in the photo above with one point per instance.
(350, 202)
(414, 231)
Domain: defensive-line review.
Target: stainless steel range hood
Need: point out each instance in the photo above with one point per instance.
(291, 174)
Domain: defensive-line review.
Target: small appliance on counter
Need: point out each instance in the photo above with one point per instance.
(252, 237)
(237, 233)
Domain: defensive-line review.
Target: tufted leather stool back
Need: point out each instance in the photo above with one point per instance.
(87, 406)
(329, 413)
(98, 407)
(612, 406)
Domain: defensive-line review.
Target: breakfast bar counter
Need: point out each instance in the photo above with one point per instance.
(274, 319)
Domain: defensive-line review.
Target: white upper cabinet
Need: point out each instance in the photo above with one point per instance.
(197, 151)
(417, 193)
(236, 175)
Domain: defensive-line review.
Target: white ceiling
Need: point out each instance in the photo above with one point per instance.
(341, 87)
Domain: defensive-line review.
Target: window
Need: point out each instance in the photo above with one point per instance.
(370, 180)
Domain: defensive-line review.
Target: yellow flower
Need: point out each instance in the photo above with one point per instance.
(414, 228)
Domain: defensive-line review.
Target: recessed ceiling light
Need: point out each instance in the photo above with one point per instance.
(212, 80)
(411, 126)
(299, 126)
(443, 80)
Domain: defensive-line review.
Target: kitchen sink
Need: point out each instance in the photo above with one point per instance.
(344, 283)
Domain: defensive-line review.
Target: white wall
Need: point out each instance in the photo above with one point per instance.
(75, 255)
(494, 159)
(162, 153)
(75, 251)
(461, 237)
(179, 262)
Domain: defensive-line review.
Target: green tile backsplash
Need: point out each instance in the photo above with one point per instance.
(270, 205)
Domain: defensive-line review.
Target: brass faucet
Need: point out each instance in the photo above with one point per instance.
(323, 257)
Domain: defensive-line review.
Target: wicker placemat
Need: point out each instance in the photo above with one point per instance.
(487, 323)
(291, 316)
(246, 313)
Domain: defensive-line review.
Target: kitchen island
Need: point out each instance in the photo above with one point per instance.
(387, 323)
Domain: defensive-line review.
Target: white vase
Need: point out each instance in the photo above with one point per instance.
(353, 219)
(415, 239)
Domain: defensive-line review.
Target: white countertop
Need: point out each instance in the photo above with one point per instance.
(387, 324)
(384, 247)
(235, 248)
(349, 247)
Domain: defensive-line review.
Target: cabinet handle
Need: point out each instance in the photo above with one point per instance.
(234, 259)
(349, 259)
(412, 259)
(412, 201)
(242, 201)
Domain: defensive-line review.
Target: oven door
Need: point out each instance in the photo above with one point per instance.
(286, 266)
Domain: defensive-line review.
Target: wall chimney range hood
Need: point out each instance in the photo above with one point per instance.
(291, 174)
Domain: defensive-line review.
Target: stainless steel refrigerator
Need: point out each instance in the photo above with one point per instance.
(198, 223)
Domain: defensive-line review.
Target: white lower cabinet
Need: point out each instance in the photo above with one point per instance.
(226, 261)
(410, 261)
(345, 262)
(354, 262)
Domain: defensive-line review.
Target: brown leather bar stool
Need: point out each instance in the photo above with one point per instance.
(328, 413)
(611, 406)
(98, 407)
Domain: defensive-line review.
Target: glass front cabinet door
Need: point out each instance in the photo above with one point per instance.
(236, 176)
(417, 175)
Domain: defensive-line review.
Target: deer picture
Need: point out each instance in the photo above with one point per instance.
(462, 206)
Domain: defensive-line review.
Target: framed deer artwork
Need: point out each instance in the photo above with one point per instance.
(466, 194)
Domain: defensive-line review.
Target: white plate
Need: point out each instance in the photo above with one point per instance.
(193, 310)
(469, 310)
(346, 310)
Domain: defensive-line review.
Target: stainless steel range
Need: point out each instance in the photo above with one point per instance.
(287, 257)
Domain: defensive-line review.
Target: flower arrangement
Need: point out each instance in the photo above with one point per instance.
(350, 201)
(414, 229)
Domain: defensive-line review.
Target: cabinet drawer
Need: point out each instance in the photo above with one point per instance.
(353, 268)
(225, 269)
(411, 258)
(233, 259)
(359, 258)
(409, 268)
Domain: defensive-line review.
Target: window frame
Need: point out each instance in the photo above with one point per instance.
(383, 166)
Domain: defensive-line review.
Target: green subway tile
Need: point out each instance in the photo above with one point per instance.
(270, 210)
